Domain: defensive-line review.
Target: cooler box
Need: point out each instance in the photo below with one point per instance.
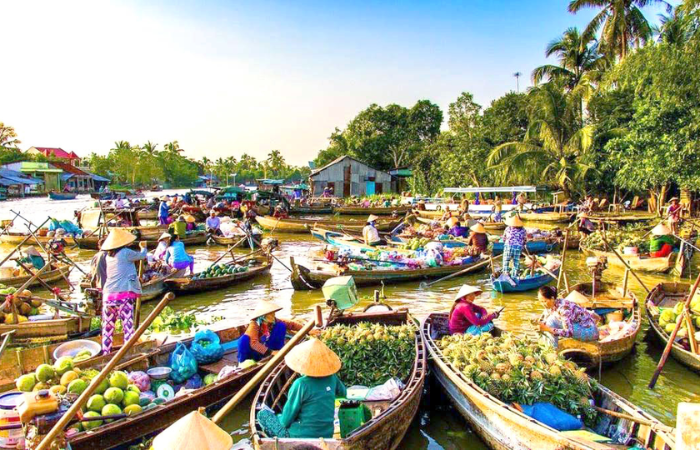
(342, 291)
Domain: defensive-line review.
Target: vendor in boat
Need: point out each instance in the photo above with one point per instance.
(122, 286)
(176, 256)
(280, 212)
(588, 204)
(514, 239)
(661, 242)
(456, 229)
(33, 257)
(585, 225)
(468, 317)
(421, 205)
(565, 318)
(478, 237)
(213, 223)
(191, 222)
(521, 200)
(179, 227)
(265, 333)
(161, 249)
(497, 209)
(310, 408)
(163, 211)
(464, 206)
(674, 214)
(370, 234)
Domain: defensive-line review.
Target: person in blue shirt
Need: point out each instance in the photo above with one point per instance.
(176, 256)
(163, 211)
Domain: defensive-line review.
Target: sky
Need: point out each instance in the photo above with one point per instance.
(231, 77)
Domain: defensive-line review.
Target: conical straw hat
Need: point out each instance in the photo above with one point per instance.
(514, 221)
(313, 358)
(478, 228)
(372, 218)
(577, 297)
(193, 431)
(118, 238)
(453, 221)
(265, 309)
(660, 230)
(165, 236)
(466, 290)
(190, 218)
(32, 251)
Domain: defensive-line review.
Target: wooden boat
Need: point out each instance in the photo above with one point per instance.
(502, 426)
(674, 261)
(609, 350)
(391, 419)
(376, 210)
(539, 246)
(231, 240)
(257, 265)
(62, 195)
(318, 209)
(18, 362)
(14, 238)
(493, 226)
(304, 225)
(124, 431)
(150, 290)
(47, 330)
(523, 284)
(147, 214)
(55, 273)
(306, 279)
(666, 295)
(548, 217)
(194, 238)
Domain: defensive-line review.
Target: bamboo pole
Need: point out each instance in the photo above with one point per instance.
(563, 257)
(271, 364)
(672, 337)
(691, 331)
(624, 262)
(6, 340)
(639, 420)
(75, 407)
(9, 255)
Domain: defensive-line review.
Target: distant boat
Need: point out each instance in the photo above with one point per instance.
(62, 195)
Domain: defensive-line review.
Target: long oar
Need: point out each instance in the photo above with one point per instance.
(267, 368)
(424, 285)
(624, 262)
(536, 263)
(14, 250)
(6, 340)
(672, 337)
(563, 258)
(649, 423)
(66, 418)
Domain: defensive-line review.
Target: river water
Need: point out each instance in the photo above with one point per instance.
(436, 425)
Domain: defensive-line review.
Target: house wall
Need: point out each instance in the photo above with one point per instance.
(360, 174)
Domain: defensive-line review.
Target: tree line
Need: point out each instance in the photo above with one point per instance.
(619, 111)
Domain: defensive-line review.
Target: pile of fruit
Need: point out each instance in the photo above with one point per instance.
(60, 378)
(667, 318)
(521, 370)
(23, 302)
(372, 353)
(617, 239)
(220, 270)
(415, 243)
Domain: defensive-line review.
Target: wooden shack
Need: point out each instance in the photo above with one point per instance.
(347, 176)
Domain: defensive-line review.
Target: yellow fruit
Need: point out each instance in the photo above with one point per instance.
(67, 377)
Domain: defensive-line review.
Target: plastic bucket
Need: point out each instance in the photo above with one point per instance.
(8, 416)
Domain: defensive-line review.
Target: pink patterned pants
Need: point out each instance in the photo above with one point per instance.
(119, 305)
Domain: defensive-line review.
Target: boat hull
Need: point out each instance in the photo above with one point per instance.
(17, 238)
(523, 284)
(48, 277)
(378, 211)
(651, 265)
(216, 283)
(532, 247)
(303, 226)
(62, 196)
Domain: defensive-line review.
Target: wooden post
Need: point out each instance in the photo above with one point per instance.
(563, 257)
(625, 263)
(75, 407)
(672, 337)
(625, 282)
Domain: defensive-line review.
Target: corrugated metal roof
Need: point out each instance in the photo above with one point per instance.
(337, 160)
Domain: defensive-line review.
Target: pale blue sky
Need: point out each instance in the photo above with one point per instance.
(229, 77)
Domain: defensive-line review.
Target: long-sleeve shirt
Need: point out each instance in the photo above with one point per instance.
(176, 253)
(479, 240)
(98, 270)
(213, 222)
(514, 236)
(163, 209)
(466, 314)
(370, 234)
(121, 271)
(458, 231)
(310, 408)
(253, 332)
(570, 313)
(657, 242)
(159, 252)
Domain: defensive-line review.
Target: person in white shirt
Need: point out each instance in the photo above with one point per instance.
(370, 233)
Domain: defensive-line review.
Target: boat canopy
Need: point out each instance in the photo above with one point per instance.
(511, 189)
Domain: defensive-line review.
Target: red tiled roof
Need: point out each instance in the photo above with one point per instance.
(70, 169)
(57, 152)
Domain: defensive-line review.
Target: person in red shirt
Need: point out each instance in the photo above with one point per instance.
(468, 317)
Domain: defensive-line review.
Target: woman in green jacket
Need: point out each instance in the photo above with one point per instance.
(310, 407)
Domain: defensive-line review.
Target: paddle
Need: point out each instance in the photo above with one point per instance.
(672, 337)
(623, 262)
(424, 285)
(75, 407)
(267, 368)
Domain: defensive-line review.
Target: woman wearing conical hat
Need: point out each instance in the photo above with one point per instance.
(310, 408)
(468, 317)
(122, 285)
(674, 214)
(370, 234)
(661, 242)
(478, 238)
(514, 239)
(566, 317)
(265, 333)
(456, 229)
(33, 257)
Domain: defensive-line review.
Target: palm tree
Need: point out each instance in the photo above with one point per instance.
(275, 162)
(577, 56)
(553, 143)
(8, 137)
(675, 28)
(623, 24)
(173, 147)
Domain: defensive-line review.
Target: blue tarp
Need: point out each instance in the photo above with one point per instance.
(17, 177)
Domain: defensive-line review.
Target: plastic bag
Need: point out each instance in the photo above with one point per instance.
(387, 391)
(206, 347)
(183, 363)
(195, 382)
(552, 416)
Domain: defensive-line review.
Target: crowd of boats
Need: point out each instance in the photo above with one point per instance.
(416, 244)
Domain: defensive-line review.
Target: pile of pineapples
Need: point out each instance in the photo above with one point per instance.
(521, 370)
